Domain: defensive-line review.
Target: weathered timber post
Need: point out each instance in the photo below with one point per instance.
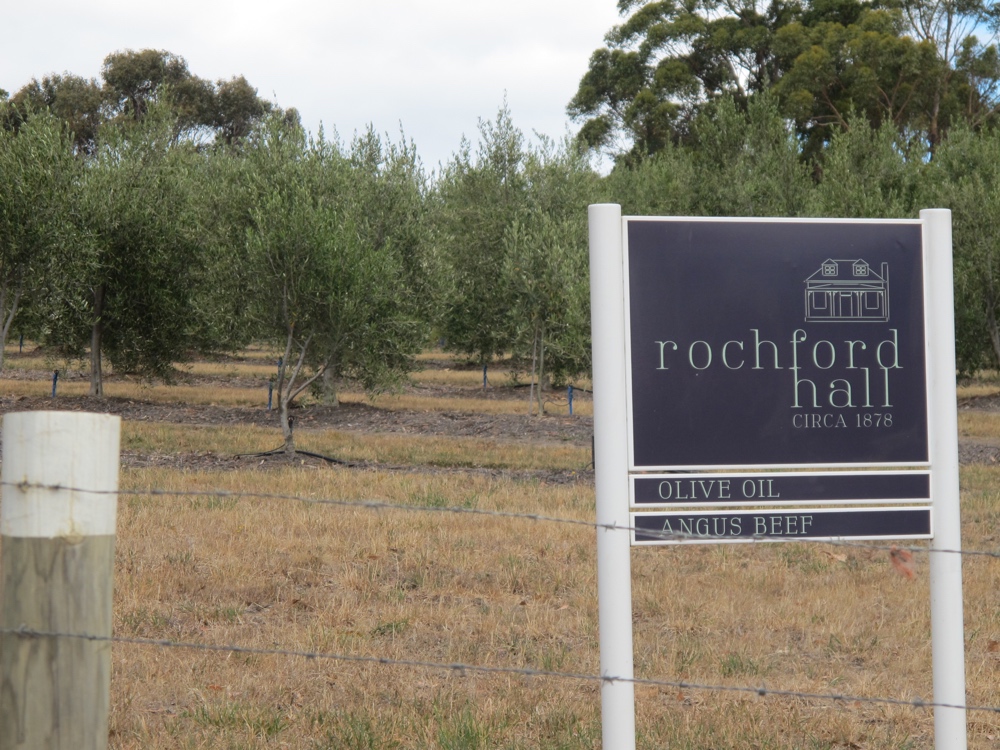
(58, 510)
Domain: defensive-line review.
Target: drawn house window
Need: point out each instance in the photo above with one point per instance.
(847, 290)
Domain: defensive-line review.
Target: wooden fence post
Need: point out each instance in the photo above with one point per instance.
(58, 510)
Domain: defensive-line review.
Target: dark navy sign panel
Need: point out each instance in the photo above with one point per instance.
(780, 489)
(775, 343)
(780, 525)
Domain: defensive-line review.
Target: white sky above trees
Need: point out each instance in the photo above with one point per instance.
(434, 66)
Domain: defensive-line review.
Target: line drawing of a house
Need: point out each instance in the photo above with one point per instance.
(843, 291)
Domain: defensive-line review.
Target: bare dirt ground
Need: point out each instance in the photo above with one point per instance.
(979, 450)
(350, 417)
(362, 418)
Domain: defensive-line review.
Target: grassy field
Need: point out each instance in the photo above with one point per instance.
(288, 564)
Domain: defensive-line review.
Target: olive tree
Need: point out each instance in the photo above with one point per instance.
(332, 301)
(546, 265)
(965, 177)
(477, 202)
(39, 244)
(129, 300)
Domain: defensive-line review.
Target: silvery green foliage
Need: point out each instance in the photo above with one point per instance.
(329, 289)
(41, 247)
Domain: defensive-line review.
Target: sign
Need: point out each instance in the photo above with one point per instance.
(678, 527)
(718, 490)
(774, 343)
(746, 345)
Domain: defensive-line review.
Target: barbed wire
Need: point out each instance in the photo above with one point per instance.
(761, 690)
(373, 504)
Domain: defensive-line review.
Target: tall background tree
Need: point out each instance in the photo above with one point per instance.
(76, 101)
(963, 34)
(847, 60)
(131, 82)
(917, 64)
(666, 61)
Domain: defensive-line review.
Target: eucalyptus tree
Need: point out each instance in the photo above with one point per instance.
(133, 81)
(76, 101)
(665, 61)
(916, 64)
(236, 109)
(39, 244)
(964, 35)
(332, 301)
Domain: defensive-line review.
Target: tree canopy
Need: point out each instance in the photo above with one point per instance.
(131, 82)
(916, 64)
(151, 215)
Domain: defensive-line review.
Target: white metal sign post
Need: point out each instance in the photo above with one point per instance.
(614, 570)
(947, 622)
(727, 345)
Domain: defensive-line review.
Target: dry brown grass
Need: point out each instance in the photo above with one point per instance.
(979, 424)
(499, 592)
(203, 395)
(404, 585)
(431, 585)
(499, 376)
(223, 394)
(971, 390)
(230, 369)
(418, 450)
(555, 403)
(463, 377)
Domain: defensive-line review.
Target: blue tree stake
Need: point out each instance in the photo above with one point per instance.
(569, 396)
(55, 379)
(20, 347)
(484, 377)
(270, 392)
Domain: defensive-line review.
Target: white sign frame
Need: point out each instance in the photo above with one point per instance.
(612, 462)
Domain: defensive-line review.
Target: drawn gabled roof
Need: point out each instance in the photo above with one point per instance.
(845, 272)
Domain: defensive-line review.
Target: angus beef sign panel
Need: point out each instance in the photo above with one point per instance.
(775, 343)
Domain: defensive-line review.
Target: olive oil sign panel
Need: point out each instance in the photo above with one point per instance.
(775, 343)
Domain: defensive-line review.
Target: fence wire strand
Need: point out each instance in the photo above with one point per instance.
(460, 668)
(379, 505)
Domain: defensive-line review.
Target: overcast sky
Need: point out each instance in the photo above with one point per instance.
(433, 66)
